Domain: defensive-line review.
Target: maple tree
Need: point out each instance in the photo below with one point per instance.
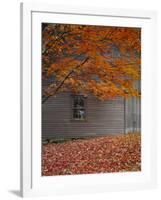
(98, 60)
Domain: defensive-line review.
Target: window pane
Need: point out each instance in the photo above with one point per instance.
(76, 114)
(78, 102)
(79, 114)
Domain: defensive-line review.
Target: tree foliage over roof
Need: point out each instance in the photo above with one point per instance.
(98, 60)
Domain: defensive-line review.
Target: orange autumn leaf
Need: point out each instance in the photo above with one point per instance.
(104, 61)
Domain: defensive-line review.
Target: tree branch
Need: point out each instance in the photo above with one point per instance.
(65, 78)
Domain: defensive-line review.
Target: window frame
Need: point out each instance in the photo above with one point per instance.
(72, 108)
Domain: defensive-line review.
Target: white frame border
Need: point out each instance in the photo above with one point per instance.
(27, 172)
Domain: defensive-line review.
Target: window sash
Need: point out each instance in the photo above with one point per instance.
(78, 111)
(79, 114)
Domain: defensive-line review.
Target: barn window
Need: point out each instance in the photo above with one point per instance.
(79, 111)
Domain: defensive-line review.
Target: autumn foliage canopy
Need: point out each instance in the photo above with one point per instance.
(98, 60)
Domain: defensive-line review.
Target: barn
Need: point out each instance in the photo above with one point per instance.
(77, 116)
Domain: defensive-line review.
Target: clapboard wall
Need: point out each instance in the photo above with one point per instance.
(133, 112)
(103, 118)
(132, 115)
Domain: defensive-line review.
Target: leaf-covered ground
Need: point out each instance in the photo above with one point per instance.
(97, 155)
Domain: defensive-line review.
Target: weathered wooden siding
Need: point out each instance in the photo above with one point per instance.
(103, 118)
(133, 112)
(132, 115)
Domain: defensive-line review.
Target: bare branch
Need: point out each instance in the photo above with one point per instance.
(65, 78)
